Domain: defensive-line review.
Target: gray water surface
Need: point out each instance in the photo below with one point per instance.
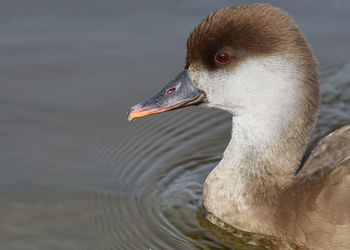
(74, 173)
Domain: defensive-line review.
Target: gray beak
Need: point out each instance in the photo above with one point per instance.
(178, 93)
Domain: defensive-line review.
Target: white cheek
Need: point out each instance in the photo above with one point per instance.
(259, 91)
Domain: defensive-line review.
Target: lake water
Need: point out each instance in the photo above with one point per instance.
(74, 173)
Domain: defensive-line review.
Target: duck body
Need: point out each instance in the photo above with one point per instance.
(312, 210)
(253, 62)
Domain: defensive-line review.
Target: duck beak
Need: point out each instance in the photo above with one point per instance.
(178, 93)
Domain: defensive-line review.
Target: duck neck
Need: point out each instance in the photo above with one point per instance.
(259, 159)
(259, 163)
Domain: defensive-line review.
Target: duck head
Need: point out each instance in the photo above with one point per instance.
(248, 60)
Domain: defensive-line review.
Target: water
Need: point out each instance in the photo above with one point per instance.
(74, 173)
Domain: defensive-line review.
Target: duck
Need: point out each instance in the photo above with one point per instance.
(253, 62)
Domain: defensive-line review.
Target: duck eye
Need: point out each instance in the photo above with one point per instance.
(222, 57)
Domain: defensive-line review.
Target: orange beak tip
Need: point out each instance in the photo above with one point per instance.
(130, 117)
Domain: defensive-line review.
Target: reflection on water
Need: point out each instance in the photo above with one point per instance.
(75, 174)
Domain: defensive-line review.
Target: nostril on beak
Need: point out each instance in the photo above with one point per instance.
(171, 90)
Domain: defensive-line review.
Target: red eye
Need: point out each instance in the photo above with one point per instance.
(222, 57)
